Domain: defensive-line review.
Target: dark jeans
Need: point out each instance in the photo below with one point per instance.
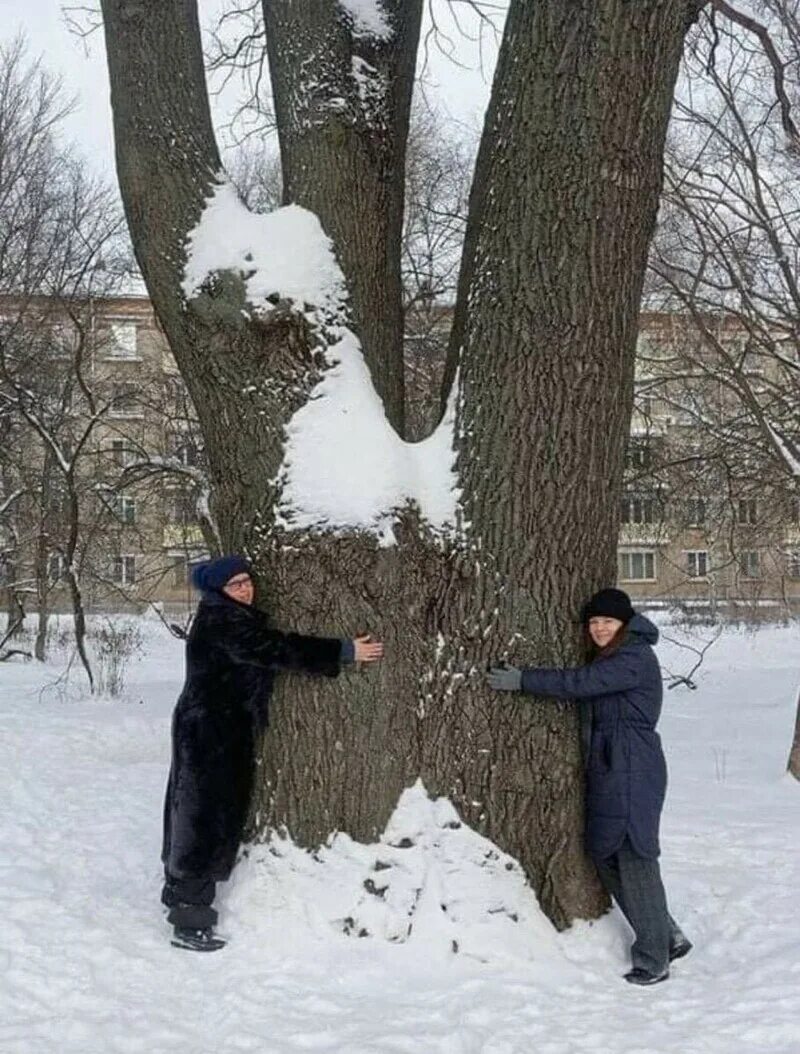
(189, 901)
(635, 883)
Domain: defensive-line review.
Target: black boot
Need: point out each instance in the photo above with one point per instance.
(201, 940)
(681, 948)
(639, 976)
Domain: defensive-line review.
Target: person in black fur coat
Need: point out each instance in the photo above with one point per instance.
(232, 655)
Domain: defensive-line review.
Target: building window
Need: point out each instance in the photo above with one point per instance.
(124, 401)
(64, 340)
(123, 570)
(697, 563)
(56, 568)
(181, 509)
(125, 508)
(746, 511)
(185, 451)
(122, 506)
(637, 565)
(793, 563)
(695, 512)
(639, 454)
(749, 564)
(121, 453)
(637, 508)
(180, 572)
(121, 341)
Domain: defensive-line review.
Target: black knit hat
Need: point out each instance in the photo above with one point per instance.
(609, 603)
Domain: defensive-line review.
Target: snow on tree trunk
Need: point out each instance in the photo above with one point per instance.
(541, 369)
(342, 92)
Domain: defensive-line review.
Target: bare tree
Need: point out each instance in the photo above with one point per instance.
(724, 266)
(59, 246)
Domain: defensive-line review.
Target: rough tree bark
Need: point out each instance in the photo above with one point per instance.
(562, 210)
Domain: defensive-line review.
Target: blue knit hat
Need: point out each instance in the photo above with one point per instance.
(212, 575)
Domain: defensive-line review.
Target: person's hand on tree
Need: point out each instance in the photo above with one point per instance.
(504, 678)
(367, 649)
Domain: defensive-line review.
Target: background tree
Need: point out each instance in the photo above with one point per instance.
(59, 247)
(724, 270)
(540, 374)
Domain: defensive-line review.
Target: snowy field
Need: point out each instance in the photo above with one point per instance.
(86, 966)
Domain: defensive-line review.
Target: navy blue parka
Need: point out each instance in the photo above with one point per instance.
(626, 774)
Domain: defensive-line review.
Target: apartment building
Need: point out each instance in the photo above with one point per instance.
(128, 429)
(711, 509)
(707, 518)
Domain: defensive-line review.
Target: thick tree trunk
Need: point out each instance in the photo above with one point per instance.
(75, 592)
(343, 133)
(561, 215)
(42, 594)
(563, 206)
(794, 754)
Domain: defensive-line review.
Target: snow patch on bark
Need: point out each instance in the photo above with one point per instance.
(368, 18)
(371, 86)
(279, 254)
(345, 466)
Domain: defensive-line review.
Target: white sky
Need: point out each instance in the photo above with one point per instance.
(462, 89)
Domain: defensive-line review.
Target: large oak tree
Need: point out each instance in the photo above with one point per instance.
(562, 209)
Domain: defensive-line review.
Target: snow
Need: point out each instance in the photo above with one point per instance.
(87, 967)
(368, 18)
(283, 253)
(344, 466)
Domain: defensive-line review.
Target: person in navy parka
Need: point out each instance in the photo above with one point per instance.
(626, 774)
(232, 657)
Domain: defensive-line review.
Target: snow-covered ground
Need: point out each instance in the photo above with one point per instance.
(86, 965)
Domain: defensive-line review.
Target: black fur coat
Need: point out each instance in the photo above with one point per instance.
(231, 659)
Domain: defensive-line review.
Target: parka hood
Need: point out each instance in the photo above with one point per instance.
(643, 628)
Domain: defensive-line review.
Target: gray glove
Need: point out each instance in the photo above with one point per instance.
(505, 678)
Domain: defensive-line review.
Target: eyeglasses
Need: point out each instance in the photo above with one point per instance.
(235, 583)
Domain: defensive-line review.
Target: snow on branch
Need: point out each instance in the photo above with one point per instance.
(9, 500)
(789, 451)
(280, 254)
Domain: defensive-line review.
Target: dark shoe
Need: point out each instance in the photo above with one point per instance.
(639, 976)
(677, 951)
(196, 940)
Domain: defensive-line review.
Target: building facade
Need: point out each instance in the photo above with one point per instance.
(709, 518)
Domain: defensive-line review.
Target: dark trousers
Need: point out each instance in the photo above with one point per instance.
(189, 901)
(635, 883)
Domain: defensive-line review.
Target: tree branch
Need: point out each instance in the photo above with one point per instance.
(760, 30)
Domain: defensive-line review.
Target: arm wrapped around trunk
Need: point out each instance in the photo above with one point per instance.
(248, 640)
(619, 673)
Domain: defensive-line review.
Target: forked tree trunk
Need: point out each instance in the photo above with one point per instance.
(561, 214)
